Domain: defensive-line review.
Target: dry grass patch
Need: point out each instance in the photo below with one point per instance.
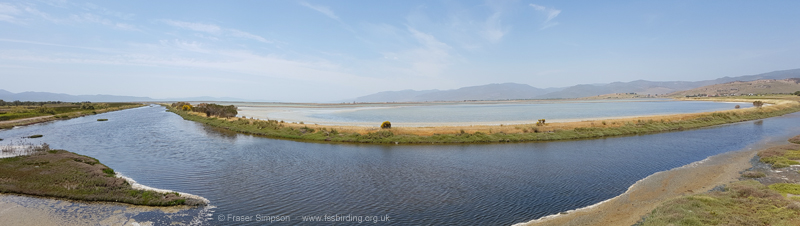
(742, 203)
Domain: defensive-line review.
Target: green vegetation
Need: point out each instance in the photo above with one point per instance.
(780, 158)
(386, 125)
(742, 203)
(753, 174)
(276, 129)
(35, 136)
(785, 188)
(35, 112)
(209, 109)
(102, 119)
(63, 174)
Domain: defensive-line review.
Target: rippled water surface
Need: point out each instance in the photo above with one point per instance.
(492, 184)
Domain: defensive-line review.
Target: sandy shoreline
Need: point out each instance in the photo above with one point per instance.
(297, 113)
(517, 127)
(646, 194)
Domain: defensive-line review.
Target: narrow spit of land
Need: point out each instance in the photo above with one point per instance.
(40, 171)
(716, 191)
(768, 193)
(11, 116)
(776, 106)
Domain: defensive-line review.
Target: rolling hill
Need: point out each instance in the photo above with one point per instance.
(738, 88)
(511, 91)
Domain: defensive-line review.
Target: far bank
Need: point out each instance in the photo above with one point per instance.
(587, 129)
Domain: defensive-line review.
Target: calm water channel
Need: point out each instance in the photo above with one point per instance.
(487, 184)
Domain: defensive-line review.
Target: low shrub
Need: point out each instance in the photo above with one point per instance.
(753, 174)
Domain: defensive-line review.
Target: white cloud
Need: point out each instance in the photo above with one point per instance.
(104, 11)
(41, 14)
(208, 28)
(550, 13)
(192, 54)
(8, 13)
(215, 30)
(322, 9)
(428, 61)
(91, 18)
(493, 28)
(242, 34)
(327, 12)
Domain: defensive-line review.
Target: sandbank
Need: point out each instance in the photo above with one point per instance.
(648, 193)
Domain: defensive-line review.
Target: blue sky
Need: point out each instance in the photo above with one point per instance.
(317, 51)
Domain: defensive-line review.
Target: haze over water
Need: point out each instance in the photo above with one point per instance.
(476, 113)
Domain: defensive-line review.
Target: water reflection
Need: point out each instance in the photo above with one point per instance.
(473, 184)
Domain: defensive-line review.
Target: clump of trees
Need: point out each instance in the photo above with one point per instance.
(758, 103)
(797, 93)
(386, 125)
(209, 109)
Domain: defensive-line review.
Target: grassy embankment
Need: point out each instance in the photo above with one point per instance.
(63, 174)
(11, 116)
(507, 133)
(746, 202)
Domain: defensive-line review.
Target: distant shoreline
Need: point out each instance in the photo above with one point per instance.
(585, 129)
(40, 119)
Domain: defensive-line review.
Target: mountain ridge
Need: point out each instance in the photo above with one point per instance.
(510, 91)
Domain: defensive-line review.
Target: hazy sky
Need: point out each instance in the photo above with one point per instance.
(332, 50)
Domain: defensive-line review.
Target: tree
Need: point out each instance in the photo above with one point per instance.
(386, 125)
(758, 103)
(797, 93)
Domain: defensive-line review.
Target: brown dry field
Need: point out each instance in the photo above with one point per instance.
(777, 102)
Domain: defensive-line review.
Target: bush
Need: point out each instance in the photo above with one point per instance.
(753, 174)
(758, 103)
(212, 109)
(87, 106)
(386, 125)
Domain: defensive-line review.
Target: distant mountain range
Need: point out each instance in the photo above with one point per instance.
(45, 96)
(484, 92)
(738, 88)
(512, 91)
(505, 91)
